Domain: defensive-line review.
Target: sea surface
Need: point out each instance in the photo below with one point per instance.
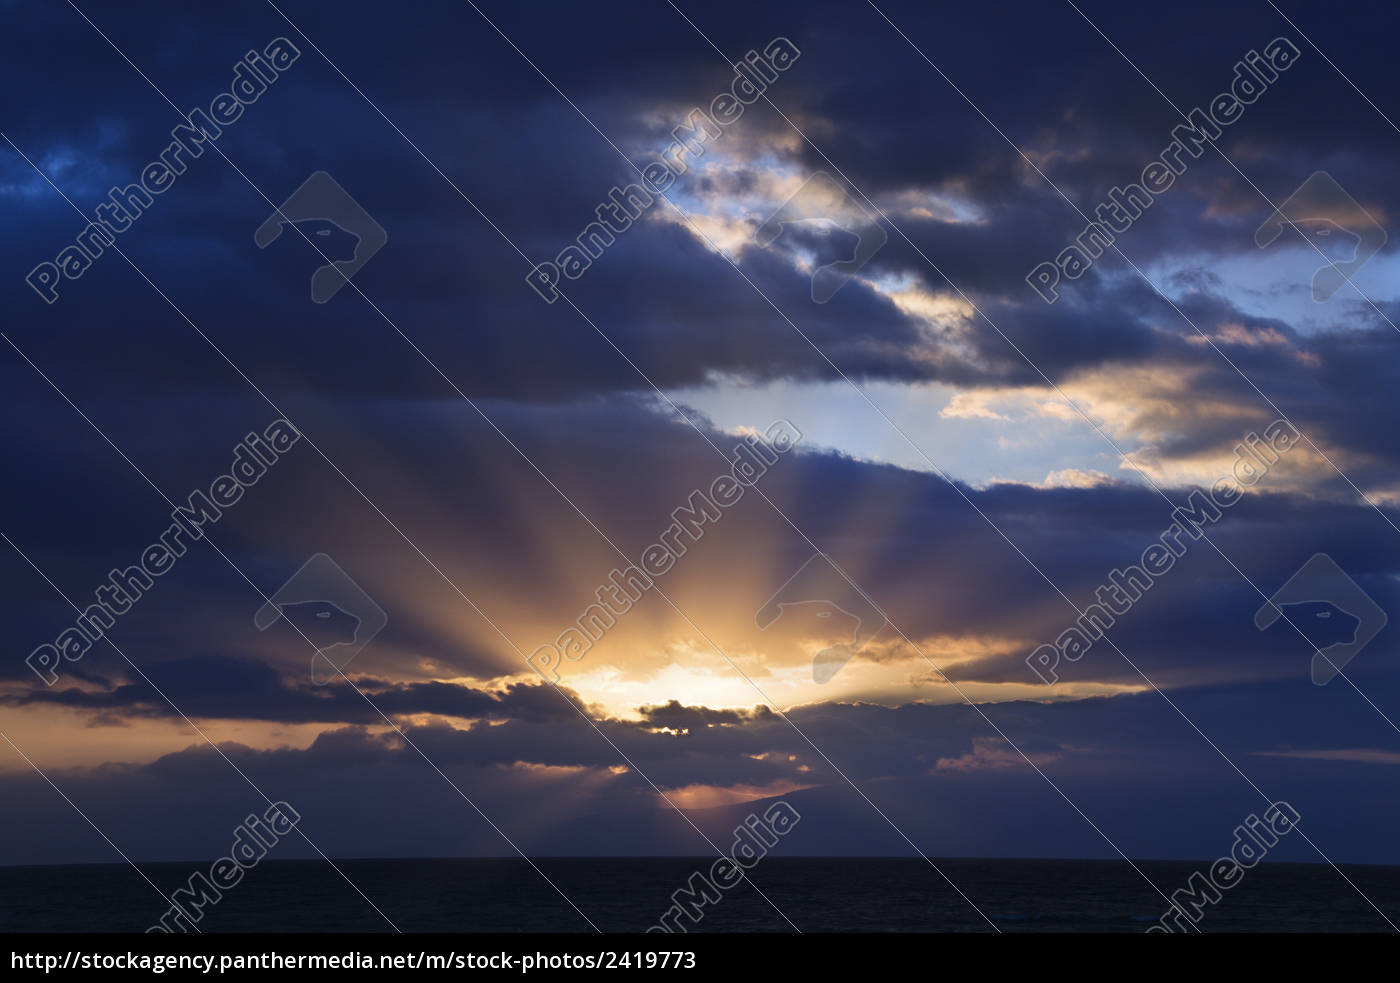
(628, 895)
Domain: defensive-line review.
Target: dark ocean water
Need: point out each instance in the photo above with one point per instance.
(628, 895)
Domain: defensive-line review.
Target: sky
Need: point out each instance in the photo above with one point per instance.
(878, 623)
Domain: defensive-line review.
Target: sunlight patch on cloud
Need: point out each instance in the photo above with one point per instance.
(1076, 478)
(993, 753)
(713, 796)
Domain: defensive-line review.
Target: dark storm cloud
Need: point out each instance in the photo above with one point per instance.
(504, 538)
(942, 774)
(519, 551)
(227, 687)
(539, 170)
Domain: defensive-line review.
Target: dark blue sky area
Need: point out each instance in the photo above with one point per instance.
(974, 463)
